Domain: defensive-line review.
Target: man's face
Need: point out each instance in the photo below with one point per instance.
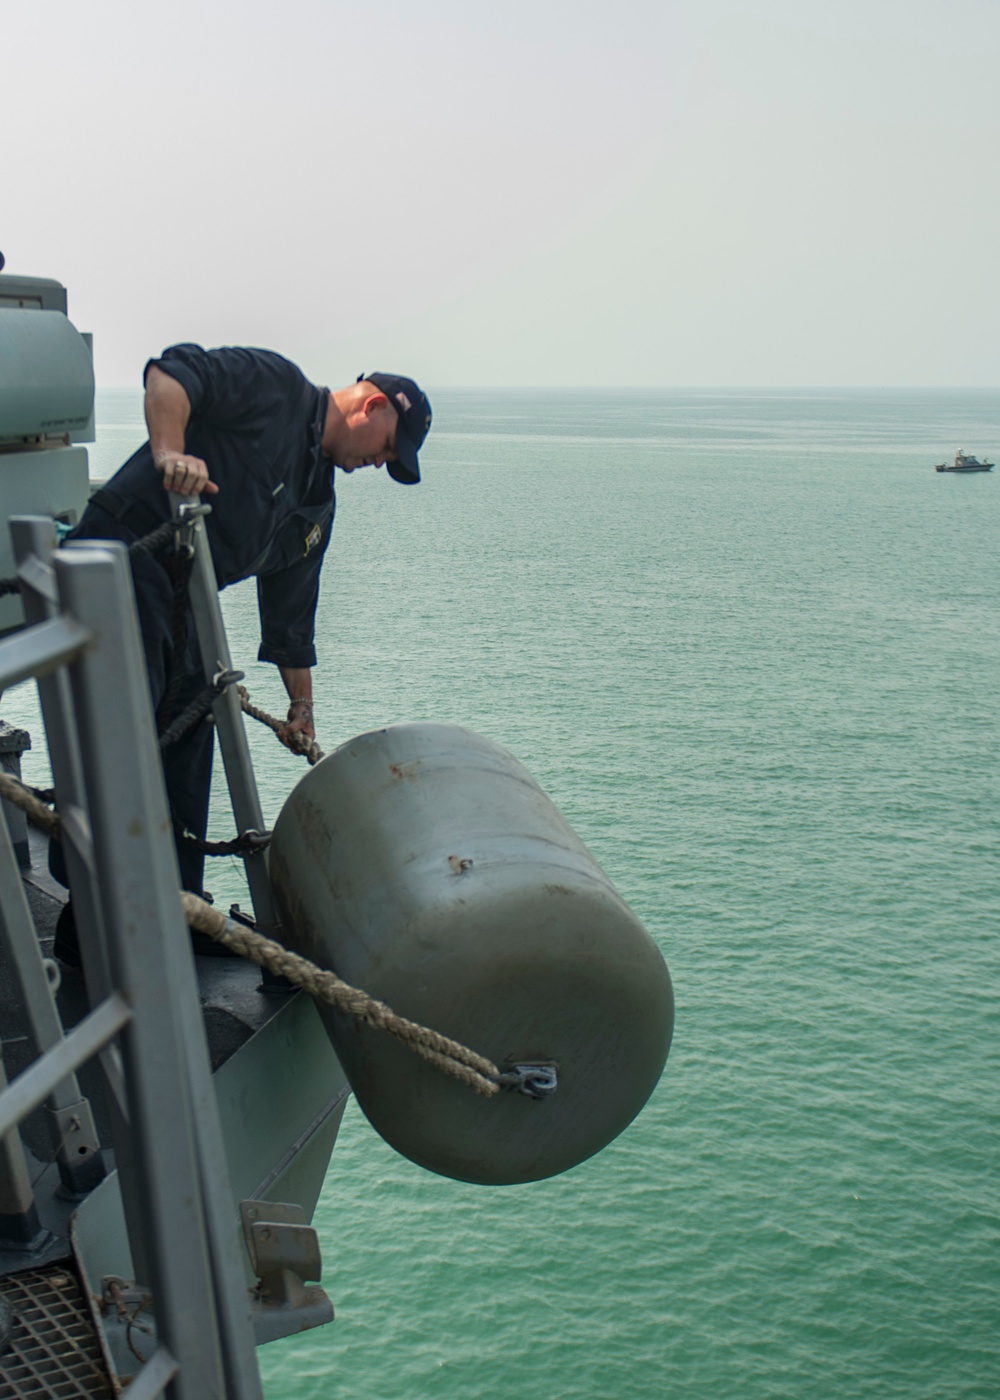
(370, 436)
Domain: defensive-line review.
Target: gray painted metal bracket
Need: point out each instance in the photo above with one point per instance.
(284, 1254)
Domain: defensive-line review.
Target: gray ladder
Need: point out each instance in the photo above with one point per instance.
(213, 645)
(83, 644)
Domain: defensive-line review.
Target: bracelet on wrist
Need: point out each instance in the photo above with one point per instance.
(292, 703)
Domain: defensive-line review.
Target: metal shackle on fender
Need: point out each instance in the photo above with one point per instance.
(424, 864)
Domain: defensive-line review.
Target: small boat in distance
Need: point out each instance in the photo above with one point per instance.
(964, 464)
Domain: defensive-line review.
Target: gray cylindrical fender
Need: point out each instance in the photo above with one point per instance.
(423, 864)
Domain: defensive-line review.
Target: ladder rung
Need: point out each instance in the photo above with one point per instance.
(36, 650)
(154, 1377)
(36, 1083)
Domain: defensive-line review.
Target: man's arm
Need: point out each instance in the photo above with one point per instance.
(168, 410)
(298, 683)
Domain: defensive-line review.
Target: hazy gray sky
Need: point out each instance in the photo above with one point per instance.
(554, 192)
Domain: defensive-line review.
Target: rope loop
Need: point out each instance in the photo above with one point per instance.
(536, 1081)
(198, 708)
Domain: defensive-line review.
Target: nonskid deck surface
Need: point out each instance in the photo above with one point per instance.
(53, 1352)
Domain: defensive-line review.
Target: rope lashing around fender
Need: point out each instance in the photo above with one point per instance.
(475, 1070)
(449, 1056)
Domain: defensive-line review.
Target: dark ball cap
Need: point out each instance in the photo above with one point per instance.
(414, 410)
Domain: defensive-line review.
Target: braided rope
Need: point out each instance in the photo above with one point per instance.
(448, 1055)
(156, 539)
(188, 718)
(34, 809)
(308, 748)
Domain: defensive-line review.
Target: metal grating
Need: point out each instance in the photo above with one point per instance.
(54, 1354)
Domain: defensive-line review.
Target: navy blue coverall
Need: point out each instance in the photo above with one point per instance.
(257, 423)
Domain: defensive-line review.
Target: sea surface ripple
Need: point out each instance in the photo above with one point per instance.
(748, 642)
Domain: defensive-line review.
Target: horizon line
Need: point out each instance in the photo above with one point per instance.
(680, 388)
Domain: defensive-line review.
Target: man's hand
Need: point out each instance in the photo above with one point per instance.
(298, 729)
(186, 475)
(168, 412)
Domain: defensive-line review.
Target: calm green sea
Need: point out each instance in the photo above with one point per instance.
(749, 642)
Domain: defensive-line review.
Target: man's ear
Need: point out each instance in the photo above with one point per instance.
(375, 402)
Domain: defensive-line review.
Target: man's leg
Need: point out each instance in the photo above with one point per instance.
(188, 764)
(154, 601)
(187, 769)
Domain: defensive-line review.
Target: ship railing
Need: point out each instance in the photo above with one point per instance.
(82, 642)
